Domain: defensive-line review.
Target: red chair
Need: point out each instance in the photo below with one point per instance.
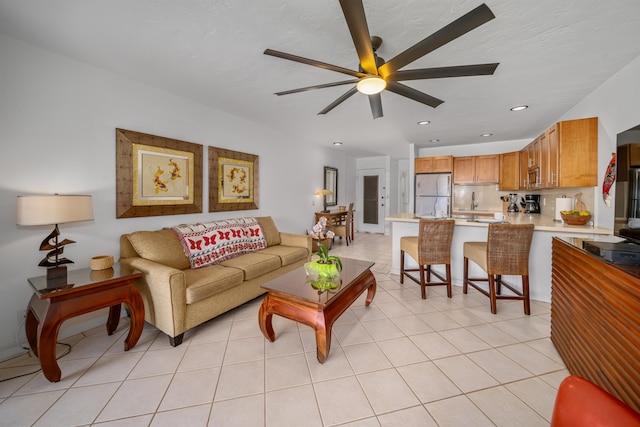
(584, 404)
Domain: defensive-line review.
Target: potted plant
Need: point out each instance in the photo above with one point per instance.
(324, 271)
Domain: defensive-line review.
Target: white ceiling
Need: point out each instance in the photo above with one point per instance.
(552, 53)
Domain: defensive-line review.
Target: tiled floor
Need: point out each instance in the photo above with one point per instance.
(402, 361)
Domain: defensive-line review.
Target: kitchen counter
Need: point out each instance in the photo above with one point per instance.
(545, 228)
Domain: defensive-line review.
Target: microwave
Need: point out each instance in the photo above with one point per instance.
(533, 179)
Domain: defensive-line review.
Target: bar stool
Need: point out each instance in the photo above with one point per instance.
(506, 252)
(432, 246)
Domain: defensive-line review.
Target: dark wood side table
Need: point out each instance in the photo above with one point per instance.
(86, 291)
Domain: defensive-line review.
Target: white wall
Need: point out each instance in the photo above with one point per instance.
(57, 134)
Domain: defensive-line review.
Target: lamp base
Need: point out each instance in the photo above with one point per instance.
(325, 211)
(56, 276)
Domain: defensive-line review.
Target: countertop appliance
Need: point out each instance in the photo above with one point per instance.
(433, 194)
(531, 203)
(513, 203)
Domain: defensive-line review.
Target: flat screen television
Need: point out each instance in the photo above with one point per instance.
(627, 203)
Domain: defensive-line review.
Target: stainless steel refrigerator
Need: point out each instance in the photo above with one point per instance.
(433, 194)
(634, 193)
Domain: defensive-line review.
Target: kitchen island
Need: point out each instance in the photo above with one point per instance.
(467, 229)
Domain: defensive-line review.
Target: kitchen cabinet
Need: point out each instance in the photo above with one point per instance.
(434, 164)
(476, 169)
(509, 171)
(549, 160)
(577, 152)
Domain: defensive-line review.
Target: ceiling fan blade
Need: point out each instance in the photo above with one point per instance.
(411, 93)
(338, 101)
(452, 31)
(376, 105)
(313, 62)
(353, 11)
(444, 72)
(303, 89)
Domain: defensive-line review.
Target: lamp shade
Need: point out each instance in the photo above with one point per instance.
(324, 192)
(53, 209)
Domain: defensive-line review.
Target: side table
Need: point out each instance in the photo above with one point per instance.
(86, 291)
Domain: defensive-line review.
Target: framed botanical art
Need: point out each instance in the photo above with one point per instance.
(157, 175)
(233, 180)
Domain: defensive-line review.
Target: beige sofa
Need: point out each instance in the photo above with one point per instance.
(178, 298)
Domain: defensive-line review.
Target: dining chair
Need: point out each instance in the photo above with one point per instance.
(579, 402)
(506, 252)
(344, 229)
(432, 246)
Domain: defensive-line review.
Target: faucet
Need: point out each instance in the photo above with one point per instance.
(474, 202)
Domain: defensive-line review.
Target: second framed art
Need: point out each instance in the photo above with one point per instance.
(233, 180)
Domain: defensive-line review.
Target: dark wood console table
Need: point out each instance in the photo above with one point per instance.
(595, 319)
(85, 291)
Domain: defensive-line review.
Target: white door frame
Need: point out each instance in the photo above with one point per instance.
(382, 201)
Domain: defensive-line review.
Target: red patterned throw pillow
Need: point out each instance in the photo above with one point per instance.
(213, 242)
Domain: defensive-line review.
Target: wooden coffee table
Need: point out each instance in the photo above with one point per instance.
(291, 296)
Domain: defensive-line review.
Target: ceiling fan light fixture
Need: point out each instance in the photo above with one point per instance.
(371, 85)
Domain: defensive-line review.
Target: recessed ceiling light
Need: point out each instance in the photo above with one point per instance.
(434, 140)
(337, 143)
(486, 134)
(424, 122)
(520, 108)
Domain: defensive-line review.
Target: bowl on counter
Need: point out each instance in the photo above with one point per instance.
(575, 219)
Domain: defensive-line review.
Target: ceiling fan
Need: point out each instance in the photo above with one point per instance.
(375, 74)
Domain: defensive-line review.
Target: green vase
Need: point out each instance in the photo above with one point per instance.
(322, 276)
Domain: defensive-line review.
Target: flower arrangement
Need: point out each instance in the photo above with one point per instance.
(320, 231)
(325, 258)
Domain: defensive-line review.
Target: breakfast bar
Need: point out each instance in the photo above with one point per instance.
(473, 227)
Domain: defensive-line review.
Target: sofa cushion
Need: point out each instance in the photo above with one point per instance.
(270, 230)
(160, 246)
(288, 254)
(254, 264)
(208, 281)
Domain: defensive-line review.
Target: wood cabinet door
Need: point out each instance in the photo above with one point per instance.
(464, 170)
(551, 157)
(510, 171)
(423, 165)
(578, 153)
(487, 169)
(524, 169)
(442, 163)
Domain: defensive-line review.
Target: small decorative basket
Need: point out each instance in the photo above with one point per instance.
(101, 262)
(575, 219)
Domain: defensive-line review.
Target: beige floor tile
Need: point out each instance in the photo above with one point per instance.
(109, 368)
(285, 344)
(387, 391)
(292, 407)
(366, 357)
(159, 362)
(71, 371)
(244, 350)
(464, 340)
(546, 347)
(352, 334)
(215, 330)
(465, 374)
(536, 393)
(245, 328)
(287, 371)
(525, 328)
(531, 359)
(492, 335)
(428, 382)
(364, 313)
(499, 366)
(458, 411)
(190, 388)
(139, 421)
(505, 409)
(234, 412)
(342, 400)
(382, 329)
(136, 397)
(25, 410)
(200, 356)
(195, 416)
(335, 366)
(464, 317)
(393, 309)
(401, 351)
(241, 379)
(86, 401)
(410, 417)
(434, 346)
(438, 321)
(411, 325)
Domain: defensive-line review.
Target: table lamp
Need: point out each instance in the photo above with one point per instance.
(324, 193)
(54, 209)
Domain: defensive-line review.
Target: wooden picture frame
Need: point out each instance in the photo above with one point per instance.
(233, 180)
(331, 184)
(157, 175)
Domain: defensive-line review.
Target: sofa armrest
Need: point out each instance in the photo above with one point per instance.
(301, 240)
(163, 290)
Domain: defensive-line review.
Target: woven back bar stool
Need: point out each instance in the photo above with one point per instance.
(506, 252)
(432, 246)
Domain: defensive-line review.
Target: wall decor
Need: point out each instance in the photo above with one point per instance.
(331, 184)
(157, 175)
(233, 180)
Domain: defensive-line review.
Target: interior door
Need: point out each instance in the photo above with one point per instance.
(373, 190)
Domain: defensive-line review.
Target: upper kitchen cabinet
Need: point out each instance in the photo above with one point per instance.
(510, 171)
(476, 169)
(435, 164)
(577, 153)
